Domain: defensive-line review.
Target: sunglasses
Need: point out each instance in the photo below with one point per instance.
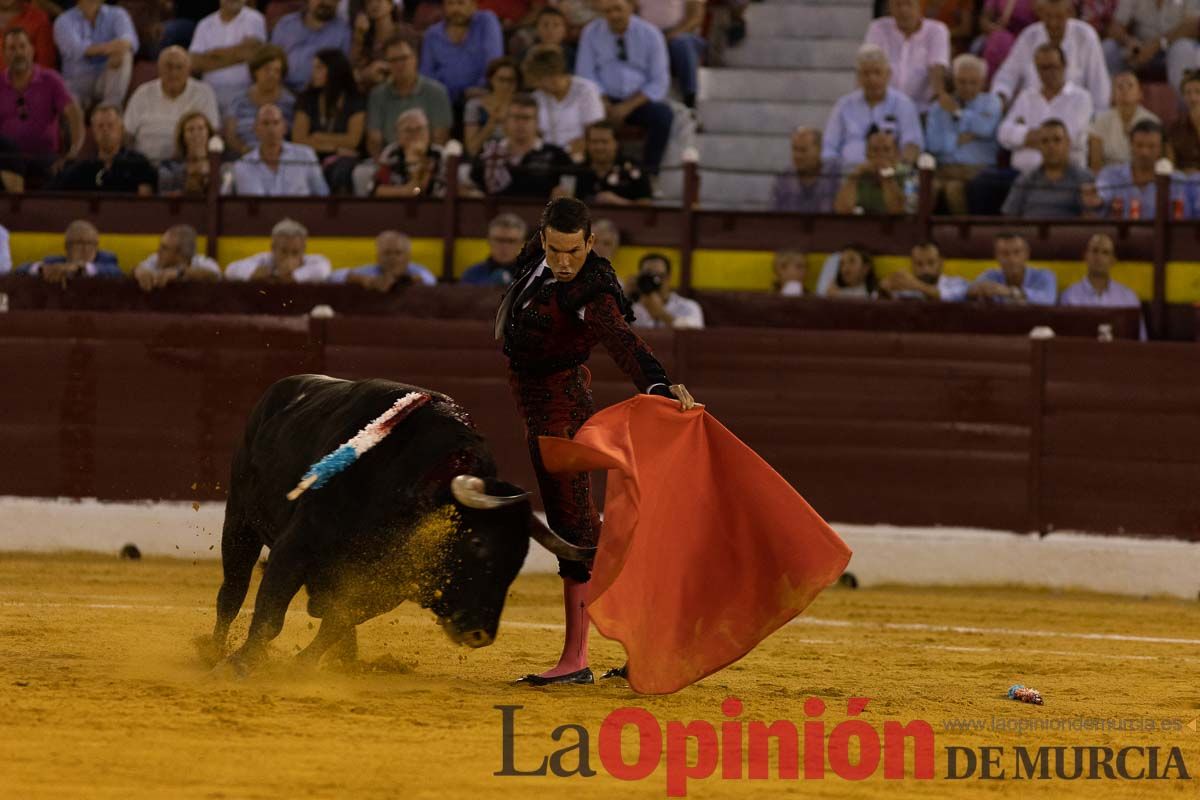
(622, 53)
(22, 111)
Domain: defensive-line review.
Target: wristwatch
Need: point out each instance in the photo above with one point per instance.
(887, 172)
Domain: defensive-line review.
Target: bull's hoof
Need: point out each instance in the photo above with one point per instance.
(209, 650)
(583, 676)
(239, 665)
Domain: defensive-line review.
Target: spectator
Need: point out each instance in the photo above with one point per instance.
(852, 276)
(1000, 23)
(302, 34)
(1098, 14)
(520, 164)
(407, 89)
(375, 25)
(176, 260)
(1108, 137)
(1057, 188)
(654, 304)
(608, 239)
(550, 28)
(791, 269)
(627, 58)
(567, 105)
(873, 105)
(181, 27)
(1128, 190)
(483, 118)
(223, 46)
(97, 43)
(34, 104)
(1138, 36)
(115, 168)
(1083, 57)
(1015, 281)
(457, 50)
(605, 179)
(925, 279)
(267, 69)
(876, 186)
(505, 237)
(809, 187)
(960, 131)
(330, 118)
(579, 13)
(412, 166)
(1055, 99)
(393, 266)
(1183, 137)
(188, 173)
(682, 24)
(25, 16)
(156, 107)
(1097, 289)
(959, 17)
(83, 259)
(286, 262)
(917, 48)
(278, 168)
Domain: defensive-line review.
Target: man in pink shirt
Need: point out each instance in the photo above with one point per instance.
(917, 48)
(33, 100)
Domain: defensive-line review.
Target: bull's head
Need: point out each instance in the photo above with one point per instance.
(498, 523)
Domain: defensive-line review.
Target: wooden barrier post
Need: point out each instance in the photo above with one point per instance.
(212, 198)
(1162, 247)
(926, 164)
(453, 154)
(1037, 411)
(691, 198)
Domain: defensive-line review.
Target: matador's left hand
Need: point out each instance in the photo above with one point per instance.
(686, 401)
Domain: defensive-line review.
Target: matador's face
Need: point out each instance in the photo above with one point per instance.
(566, 252)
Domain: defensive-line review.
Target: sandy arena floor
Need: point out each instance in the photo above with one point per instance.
(101, 695)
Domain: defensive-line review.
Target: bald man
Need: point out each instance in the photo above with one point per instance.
(155, 108)
(393, 266)
(278, 168)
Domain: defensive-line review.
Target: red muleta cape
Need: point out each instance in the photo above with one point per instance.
(705, 549)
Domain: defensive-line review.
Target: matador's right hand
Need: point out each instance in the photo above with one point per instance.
(686, 401)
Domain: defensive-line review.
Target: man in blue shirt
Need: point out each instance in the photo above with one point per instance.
(302, 33)
(277, 168)
(1015, 281)
(1128, 190)
(873, 104)
(960, 131)
(97, 43)
(627, 57)
(506, 237)
(83, 259)
(456, 51)
(393, 266)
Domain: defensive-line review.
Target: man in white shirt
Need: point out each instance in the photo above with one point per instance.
(656, 305)
(917, 48)
(1080, 45)
(566, 104)
(222, 44)
(286, 262)
(155, 108)
(1054, 99)
(176, 260)
(1140, 36)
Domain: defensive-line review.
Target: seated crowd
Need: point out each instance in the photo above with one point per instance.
(1039, 115)
(347, 98)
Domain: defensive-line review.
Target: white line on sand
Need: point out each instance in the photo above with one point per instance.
(833, 623)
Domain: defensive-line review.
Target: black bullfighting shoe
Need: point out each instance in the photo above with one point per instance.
(582, 676)
(617, 672)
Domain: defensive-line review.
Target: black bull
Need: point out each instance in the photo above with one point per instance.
(420, 517)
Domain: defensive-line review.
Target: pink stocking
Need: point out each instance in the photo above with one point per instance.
(575, 649)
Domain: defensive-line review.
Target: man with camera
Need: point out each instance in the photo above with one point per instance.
(655, 305)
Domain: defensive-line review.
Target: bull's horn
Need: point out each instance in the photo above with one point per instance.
(556, 544)
(472, 493)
